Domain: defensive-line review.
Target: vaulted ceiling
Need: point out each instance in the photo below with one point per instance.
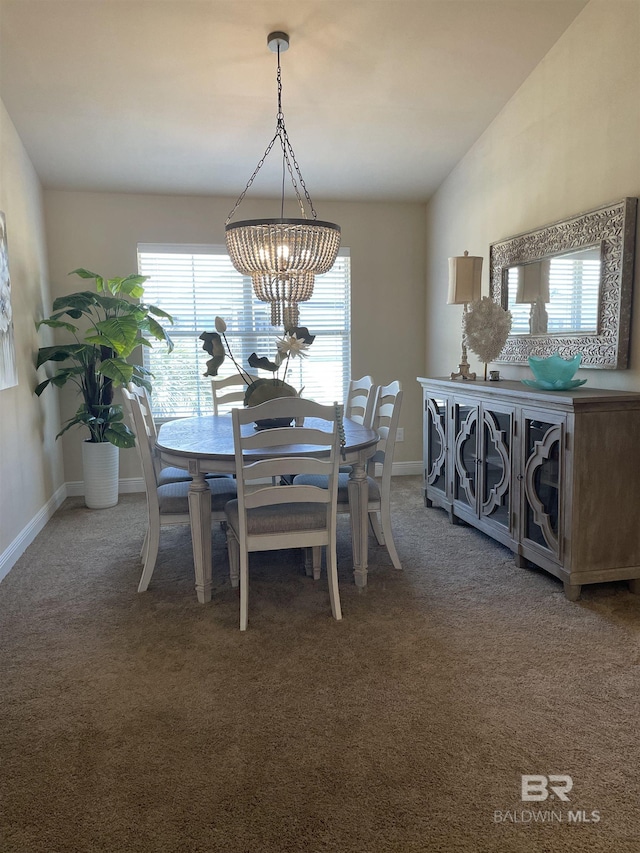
(381, 97)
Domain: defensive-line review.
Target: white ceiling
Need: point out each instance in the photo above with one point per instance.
(381, 97)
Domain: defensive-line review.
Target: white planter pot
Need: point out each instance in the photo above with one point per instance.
(100, 466)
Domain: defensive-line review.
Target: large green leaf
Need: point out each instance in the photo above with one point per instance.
(70, 423)
(83, 273)
(114, 415)
(120, 435)
(158, 332)
(142, 371)
(60, 352)
(59, 379)
(158, 312)
(40, 388)
(83, 302)
(57, 324)
(131, 285)
(113, 303)
(62, 376)
(155, 329)
(121, 332)
(141, 382)
(117, 369)
(99, 341)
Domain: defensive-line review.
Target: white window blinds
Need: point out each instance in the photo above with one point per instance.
(572, 302)
(197, 283)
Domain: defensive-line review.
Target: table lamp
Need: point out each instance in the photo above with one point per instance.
(533, 288)
(465, 285)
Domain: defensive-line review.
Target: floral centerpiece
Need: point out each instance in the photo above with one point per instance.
(293, 344)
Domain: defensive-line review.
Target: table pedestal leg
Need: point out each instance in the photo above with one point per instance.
(200, 519)
(358, 488)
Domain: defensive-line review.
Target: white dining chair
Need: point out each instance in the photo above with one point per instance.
(385, 423)
(164, 473)
(228, 390)
(267, 517)
(167, 503)
(360, 405)
(361, 400)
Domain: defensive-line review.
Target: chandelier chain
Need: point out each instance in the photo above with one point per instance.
(252, 178)
(285, 157)
(289, 157)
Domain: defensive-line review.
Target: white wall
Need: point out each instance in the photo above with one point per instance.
(100, 231)
(568, 141)
(30, 459)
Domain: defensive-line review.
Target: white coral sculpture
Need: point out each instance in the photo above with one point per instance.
(486, 327)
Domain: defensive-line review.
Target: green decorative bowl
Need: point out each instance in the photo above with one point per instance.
(554, 373)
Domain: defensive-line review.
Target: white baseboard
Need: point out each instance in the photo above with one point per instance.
(401, 469)
(407, 469)
(130, 485)
(75, 488)
(16, 549)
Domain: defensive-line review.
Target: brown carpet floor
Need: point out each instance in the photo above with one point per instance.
(150, 723)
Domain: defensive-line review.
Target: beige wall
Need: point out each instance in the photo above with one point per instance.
(568, 141)
(30, 459)
(100, 231)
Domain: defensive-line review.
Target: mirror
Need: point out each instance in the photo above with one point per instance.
(568, 287)
(557, 295)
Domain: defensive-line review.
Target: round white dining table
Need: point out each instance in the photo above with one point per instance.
(204, 445)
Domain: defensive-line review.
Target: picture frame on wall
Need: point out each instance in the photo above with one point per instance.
(8, 371)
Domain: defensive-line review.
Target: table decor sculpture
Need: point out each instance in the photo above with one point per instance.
(486, 327)
(293, 344)
(554, 373)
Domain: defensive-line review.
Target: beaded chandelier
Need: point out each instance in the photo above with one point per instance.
(282, 256)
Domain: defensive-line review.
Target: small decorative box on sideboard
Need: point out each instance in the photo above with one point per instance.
(553, 475)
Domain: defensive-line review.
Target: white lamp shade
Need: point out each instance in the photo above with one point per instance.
(465, 279)
(533, 282)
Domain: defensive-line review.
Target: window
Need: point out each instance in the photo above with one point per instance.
(197, 283)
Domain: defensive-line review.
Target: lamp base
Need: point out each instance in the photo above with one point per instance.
(463, 369)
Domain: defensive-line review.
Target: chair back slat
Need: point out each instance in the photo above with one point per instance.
(274, 495)
(227, 390)
(263, 439)
(361, 400)
(269, 468)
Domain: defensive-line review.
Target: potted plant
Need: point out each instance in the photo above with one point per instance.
(112, 326)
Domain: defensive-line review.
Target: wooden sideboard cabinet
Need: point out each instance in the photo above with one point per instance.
(553, 475)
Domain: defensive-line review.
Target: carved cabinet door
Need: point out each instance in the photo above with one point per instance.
(465, 416)
(541, 479)
(483, 460)
(496, 440)
(436, 444)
